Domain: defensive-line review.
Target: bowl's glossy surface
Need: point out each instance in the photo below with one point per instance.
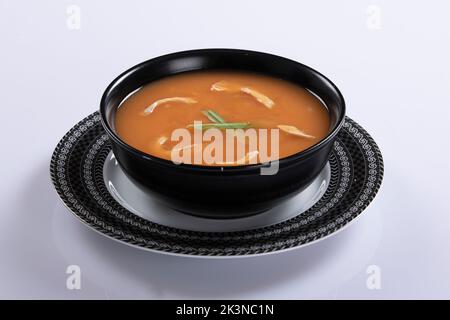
(222, 192)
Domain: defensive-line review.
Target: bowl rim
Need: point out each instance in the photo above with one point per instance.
(239, 168)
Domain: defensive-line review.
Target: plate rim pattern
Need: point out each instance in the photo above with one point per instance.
(83, 149)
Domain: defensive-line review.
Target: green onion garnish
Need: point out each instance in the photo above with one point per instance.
(228, 125)
(213, 116)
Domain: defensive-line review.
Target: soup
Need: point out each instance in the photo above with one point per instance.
(233, 118)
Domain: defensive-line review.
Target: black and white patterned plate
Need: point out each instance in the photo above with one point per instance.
(77, 173)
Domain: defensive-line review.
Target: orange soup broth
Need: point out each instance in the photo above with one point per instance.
(292, 106)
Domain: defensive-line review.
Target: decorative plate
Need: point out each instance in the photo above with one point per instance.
(83, 157)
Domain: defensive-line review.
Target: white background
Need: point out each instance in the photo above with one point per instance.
(396, 81)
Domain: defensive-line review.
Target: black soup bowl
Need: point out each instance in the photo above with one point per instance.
(230, 191)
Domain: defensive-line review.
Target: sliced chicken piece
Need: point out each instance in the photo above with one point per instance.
(294, 130)
(159, 102)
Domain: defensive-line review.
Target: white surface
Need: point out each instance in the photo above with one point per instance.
(395, 80)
